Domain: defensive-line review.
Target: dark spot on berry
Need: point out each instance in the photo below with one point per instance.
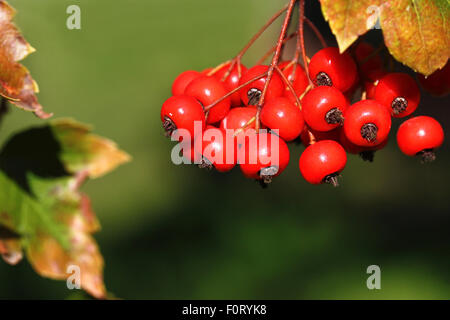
(399, 105)
(322, 79)
(253, 96)
(368, 155)
(369, 132)
(267, 174)
(205, 164)
(427, 155)
(334, 116)
(169, 126)
(332, 179)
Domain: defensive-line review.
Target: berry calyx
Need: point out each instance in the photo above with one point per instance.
(251, 94)
(218, 149)
(263, 156)
(282, 115)
(231, 82)
(399, 93)
(207, 90)
(328, 67)
(421, 136)
(183, 80)
(367, 123)
(181, 112)
(322, 162)
(323, 108)
(366, 153)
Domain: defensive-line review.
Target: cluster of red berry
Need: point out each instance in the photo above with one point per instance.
(310, 105)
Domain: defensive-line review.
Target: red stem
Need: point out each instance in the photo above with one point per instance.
(302, 37)
(288, 83)
(212, 105)
(239, 56)
(275, 59)
(317, 32)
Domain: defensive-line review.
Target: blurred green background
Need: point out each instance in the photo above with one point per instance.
(176, 232)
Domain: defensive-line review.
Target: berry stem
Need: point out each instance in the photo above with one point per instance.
(272, 50)
(288, 83)
(302, 37)
(237, 59)
(275, 59)
(207, 108)
(317, 32)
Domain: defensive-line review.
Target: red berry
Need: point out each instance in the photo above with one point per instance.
(367, 65)
(183, 80)
(322, 162)
(181, 112)
(251, 93)
(438, 83)
(323, 108)
(207, 71)
(239, 117)
(367, 123)
(281, 114)
(207, 90)
(299, 80)
(263, 156)
(232, 81)
(366, 153)
(399, 93)
(371, 82)
(217, 149)
(420, 136)
(328, 67)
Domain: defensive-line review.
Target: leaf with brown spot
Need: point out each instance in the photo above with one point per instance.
(16, 83)
(41, 171)
(416, 32)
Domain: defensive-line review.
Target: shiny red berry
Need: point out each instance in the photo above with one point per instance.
(420, 136)
(324, 107)
(438, 83)
(263, 156)
(328, 67)
(207, 90)
(299, 80)
(183, 80)
(238, 118)
(371, 82)
(322, 162)
(399, 93)
(282, 115)
(367, 123)
(251, 93)
(217, 149)
(181, 112)
(232, 81)
(366, 153)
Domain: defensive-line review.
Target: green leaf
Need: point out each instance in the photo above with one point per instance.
(42, 211)
(416, 32)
